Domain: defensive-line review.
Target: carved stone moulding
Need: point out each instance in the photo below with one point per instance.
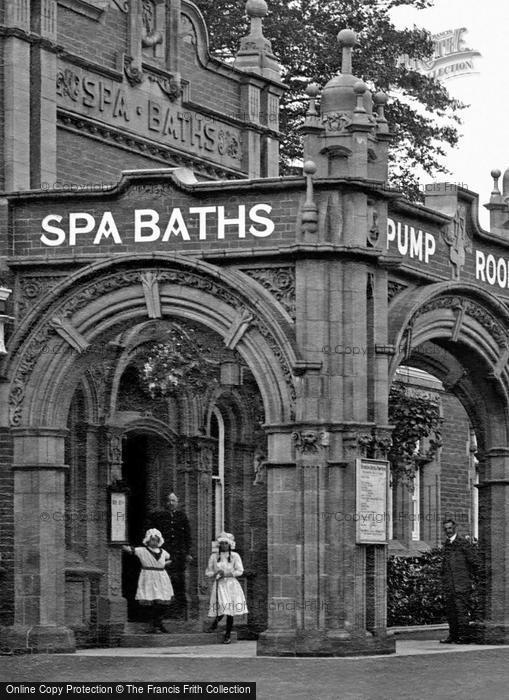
(472, 309)
(155, 151)
(87, 293)
(279, 281)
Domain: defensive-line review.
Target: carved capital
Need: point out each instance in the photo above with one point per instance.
(307, 441)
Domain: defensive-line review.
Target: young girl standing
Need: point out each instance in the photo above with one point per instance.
(227, 597)
(154, 585)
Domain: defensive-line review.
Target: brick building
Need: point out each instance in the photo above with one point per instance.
(141, 194)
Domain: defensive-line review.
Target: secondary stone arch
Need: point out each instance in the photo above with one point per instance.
(456, 314)
(79, 318)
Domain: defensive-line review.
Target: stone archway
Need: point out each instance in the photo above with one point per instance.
(469, 327)
(76, 322)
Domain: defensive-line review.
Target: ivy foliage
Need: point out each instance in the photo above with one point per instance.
(414, 589)
(179, 362)
(417, 423)
(421, 113)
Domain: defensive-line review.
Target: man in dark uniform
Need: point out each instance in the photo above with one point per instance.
(458, 565)
(174, 527)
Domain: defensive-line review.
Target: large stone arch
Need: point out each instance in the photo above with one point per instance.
(51, 346)
(64, 337)
(470, 328)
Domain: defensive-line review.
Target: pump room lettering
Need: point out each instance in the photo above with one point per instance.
(208, 223)
(410, 242)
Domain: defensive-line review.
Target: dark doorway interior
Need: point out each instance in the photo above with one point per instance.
(135, 474)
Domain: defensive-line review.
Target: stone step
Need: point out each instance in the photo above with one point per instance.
(191, 639)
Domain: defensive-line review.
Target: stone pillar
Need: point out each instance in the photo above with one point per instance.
(494, 544)
(112, 606)
(43, 105)
(39, 547)
(16, 60)
(326, 591)
(96, 524)
(194, 479)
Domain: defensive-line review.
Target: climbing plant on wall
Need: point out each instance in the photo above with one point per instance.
(417, 433)
(181, 361)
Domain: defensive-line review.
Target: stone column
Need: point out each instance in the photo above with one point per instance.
(16, 60)
(194, 483)
(39, 537)
(112, 606)
(43, 105)
(494, 544)
(326, 591)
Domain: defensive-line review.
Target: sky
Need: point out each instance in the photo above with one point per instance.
(485, 121)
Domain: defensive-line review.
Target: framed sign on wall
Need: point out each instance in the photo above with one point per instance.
(371, 491)
(118, 516)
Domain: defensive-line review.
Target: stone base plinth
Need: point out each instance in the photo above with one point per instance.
(111, 619)
(322, 643)
(489, 632)
(40, 639)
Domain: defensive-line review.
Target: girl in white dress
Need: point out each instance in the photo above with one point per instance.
(154, 585)
(227, 597)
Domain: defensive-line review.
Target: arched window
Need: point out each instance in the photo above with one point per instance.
(217, 431)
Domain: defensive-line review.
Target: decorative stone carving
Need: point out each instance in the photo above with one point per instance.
(259, 466)
(393, 289)
(356, 442)
(187, 31)
(169, 85)
(110, 135)
(123, 5)
(337, 121)
(101, 287)
(279, 281)
(228, 144)
(24, 369)
(150, 284)
(68, 84)
(373, 231)
(133, 72)
(32, 288)
(307, 441)
(150, 36)
(455, 236)
(479, 313)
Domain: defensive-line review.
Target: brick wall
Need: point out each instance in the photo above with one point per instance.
(101, 42)
(454, 476)
(6, 529)
(83, 161)
(208, 88)
(2, 114)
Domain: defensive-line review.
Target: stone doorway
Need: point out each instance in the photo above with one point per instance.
(146, 470)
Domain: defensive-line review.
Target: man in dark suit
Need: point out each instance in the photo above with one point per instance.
(174, 527)
(458, 565)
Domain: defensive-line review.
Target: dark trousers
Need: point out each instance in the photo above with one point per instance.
(457, 615)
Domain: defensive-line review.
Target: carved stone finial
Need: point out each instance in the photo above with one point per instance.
(310, 210)
(347, 38)
(255, 53)
(380, 99)
(256, 8)
(360, 88)
(496, 195)
(312, 91)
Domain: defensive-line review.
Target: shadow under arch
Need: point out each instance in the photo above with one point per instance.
(459, 333)
(83, 313)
